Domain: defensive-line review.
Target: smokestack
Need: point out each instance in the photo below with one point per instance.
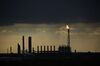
(23, 44)
(44, 48)
(68, 30)
(33, 50)
(10, 49)
(50, 48)
(18, 48)
(37, 49)
(30, 44)
(54, 48)
(47, 48)
(41, 49)
(68, 46)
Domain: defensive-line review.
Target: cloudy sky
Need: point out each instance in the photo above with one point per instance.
(47, 19)
(84, 37)
(49, 11)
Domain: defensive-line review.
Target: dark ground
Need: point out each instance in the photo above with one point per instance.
(50, 59)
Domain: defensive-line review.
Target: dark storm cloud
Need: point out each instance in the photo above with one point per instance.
(49, 11)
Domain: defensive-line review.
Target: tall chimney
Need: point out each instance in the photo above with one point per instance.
(54, 48)
(47, 48)
(30, 44)
(41, 48)
(68, 46)
(10, 49)
(50, 48)
(18, 48)
(68, 30)
(33, 50)
(44, 48)
(37, 49)
(23, 44)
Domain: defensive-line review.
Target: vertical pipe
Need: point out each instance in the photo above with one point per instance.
(54, 48)
(69, 37)
(37, 49)
(44, 49)
(47, 48)
(30, 44)
(33, 50)
(69, 48)
(18, 49)
(23, 44)
(41, 48)
(50, 48)
(10, 49)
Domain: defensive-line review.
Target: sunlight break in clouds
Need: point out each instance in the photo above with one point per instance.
(84, 37)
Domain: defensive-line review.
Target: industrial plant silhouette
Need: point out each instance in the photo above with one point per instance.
(43, 49)
(48, 55)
